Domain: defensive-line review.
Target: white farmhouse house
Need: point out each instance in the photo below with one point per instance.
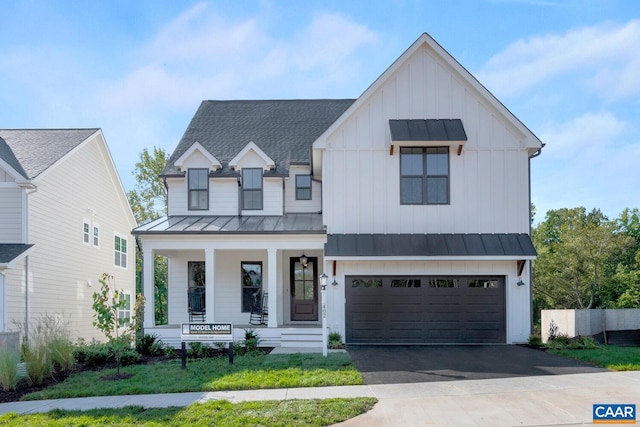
(414, 199)
(64, 220)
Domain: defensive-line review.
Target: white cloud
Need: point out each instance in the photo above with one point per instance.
(604, 57)
(588, 161)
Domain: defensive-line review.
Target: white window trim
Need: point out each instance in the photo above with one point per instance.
(121, 237)
(95, 226)
(126, 312)
(88, 234)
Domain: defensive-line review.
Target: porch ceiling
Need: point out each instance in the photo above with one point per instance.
(198, 224)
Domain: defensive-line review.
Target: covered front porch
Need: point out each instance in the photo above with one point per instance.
(222, 276)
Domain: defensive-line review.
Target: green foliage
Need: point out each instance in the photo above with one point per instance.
(563, 342)
(213, 374)
(96, 355)
(106, 305)
(607, 356)
(149, 345)
(295, 412)
(251, 341)
(198, 350)
(9, 359)
(148, 202)
(335, 340)
(46, 345)
(578, 252)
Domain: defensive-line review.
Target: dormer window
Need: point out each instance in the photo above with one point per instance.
(198, 189)
(252, 189)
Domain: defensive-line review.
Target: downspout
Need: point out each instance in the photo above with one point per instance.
(25, 233)
(533, 156)
(239, 196)
(283, 195)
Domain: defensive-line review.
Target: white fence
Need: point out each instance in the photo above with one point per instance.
(575, 323)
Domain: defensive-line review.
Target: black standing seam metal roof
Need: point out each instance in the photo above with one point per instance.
(427, 130)
(35, 150)
(10, 251)
(283, 129)
(380, 245)
(258, 224)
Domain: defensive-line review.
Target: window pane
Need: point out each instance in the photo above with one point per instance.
(251, 178)
(198, 199)
(486, 283)
(251, 274)
(303, 194)
(198, 179)
(303, 181)
(411, 164)
(444, 283)
(411, 190)
(405, 283)
(437, 190)
(252, 199)
(437, 162)
(303, 187)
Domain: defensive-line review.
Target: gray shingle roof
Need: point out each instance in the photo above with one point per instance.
(32, 151)
(456, 244)
(10, 251)
(283, 129)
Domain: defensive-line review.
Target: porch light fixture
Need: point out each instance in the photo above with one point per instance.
(304, 260)
(520, 283)
(323, 281)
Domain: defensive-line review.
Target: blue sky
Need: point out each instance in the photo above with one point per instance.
(570, 70)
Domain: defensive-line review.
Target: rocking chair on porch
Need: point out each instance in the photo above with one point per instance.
(196, 305)
(259, 310)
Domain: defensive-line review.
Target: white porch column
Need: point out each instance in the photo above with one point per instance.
(272, 278)
(209, 270)
(148, 288)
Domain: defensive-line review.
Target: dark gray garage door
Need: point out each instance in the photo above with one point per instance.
(425, 309)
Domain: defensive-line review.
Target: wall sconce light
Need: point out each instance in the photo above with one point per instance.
(323, 281)
(335, 282)
(520, 283)
(89, 284)
(304, 260)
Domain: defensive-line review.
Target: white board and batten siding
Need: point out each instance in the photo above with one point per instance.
(64, 270)
(488, 182)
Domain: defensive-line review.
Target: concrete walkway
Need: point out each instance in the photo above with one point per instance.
(528, 401)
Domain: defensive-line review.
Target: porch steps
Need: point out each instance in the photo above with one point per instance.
(302, 338)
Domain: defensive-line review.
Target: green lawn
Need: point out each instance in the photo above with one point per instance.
(611, 357)
(219, 413)
(212, 374)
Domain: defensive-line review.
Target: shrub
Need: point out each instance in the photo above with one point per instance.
(562, 342)
(62, 356)
(9, 359)
(149, 345)
(335, 340)
(198, 350)
(251, 341)
(535, 340)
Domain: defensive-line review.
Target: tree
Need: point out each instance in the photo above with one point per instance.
(148, 202)
(108, 303)
(575, 252)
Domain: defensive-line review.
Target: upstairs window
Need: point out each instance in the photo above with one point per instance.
(252, 189)
(96, 235)
(424, 175)
(303, 187)
(86, 232)
(198, 189)
(120, 252)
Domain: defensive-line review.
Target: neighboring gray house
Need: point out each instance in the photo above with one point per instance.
(414, 200)
(64, 220)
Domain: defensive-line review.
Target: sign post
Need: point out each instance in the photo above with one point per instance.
(206, 332)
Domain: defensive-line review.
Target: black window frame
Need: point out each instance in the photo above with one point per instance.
(250, 287)
(425, 176)
(301, 188)
(197, 190)
(250, 190)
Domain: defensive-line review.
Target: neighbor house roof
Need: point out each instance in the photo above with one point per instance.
(429, 245)
(12, 252)
(283, 129)
(31, 151)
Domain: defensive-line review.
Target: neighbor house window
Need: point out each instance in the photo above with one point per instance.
(120, 252)
(86, 232)
(96, 235)
(124, 313)
(198, 189)
(251, 284)
(424, 175)
(303, 187)
(252, 189)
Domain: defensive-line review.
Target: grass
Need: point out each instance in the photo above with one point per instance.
(219, 413)
(610, 357)
(213, 374)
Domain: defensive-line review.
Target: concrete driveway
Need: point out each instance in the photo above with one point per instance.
(417, 364)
